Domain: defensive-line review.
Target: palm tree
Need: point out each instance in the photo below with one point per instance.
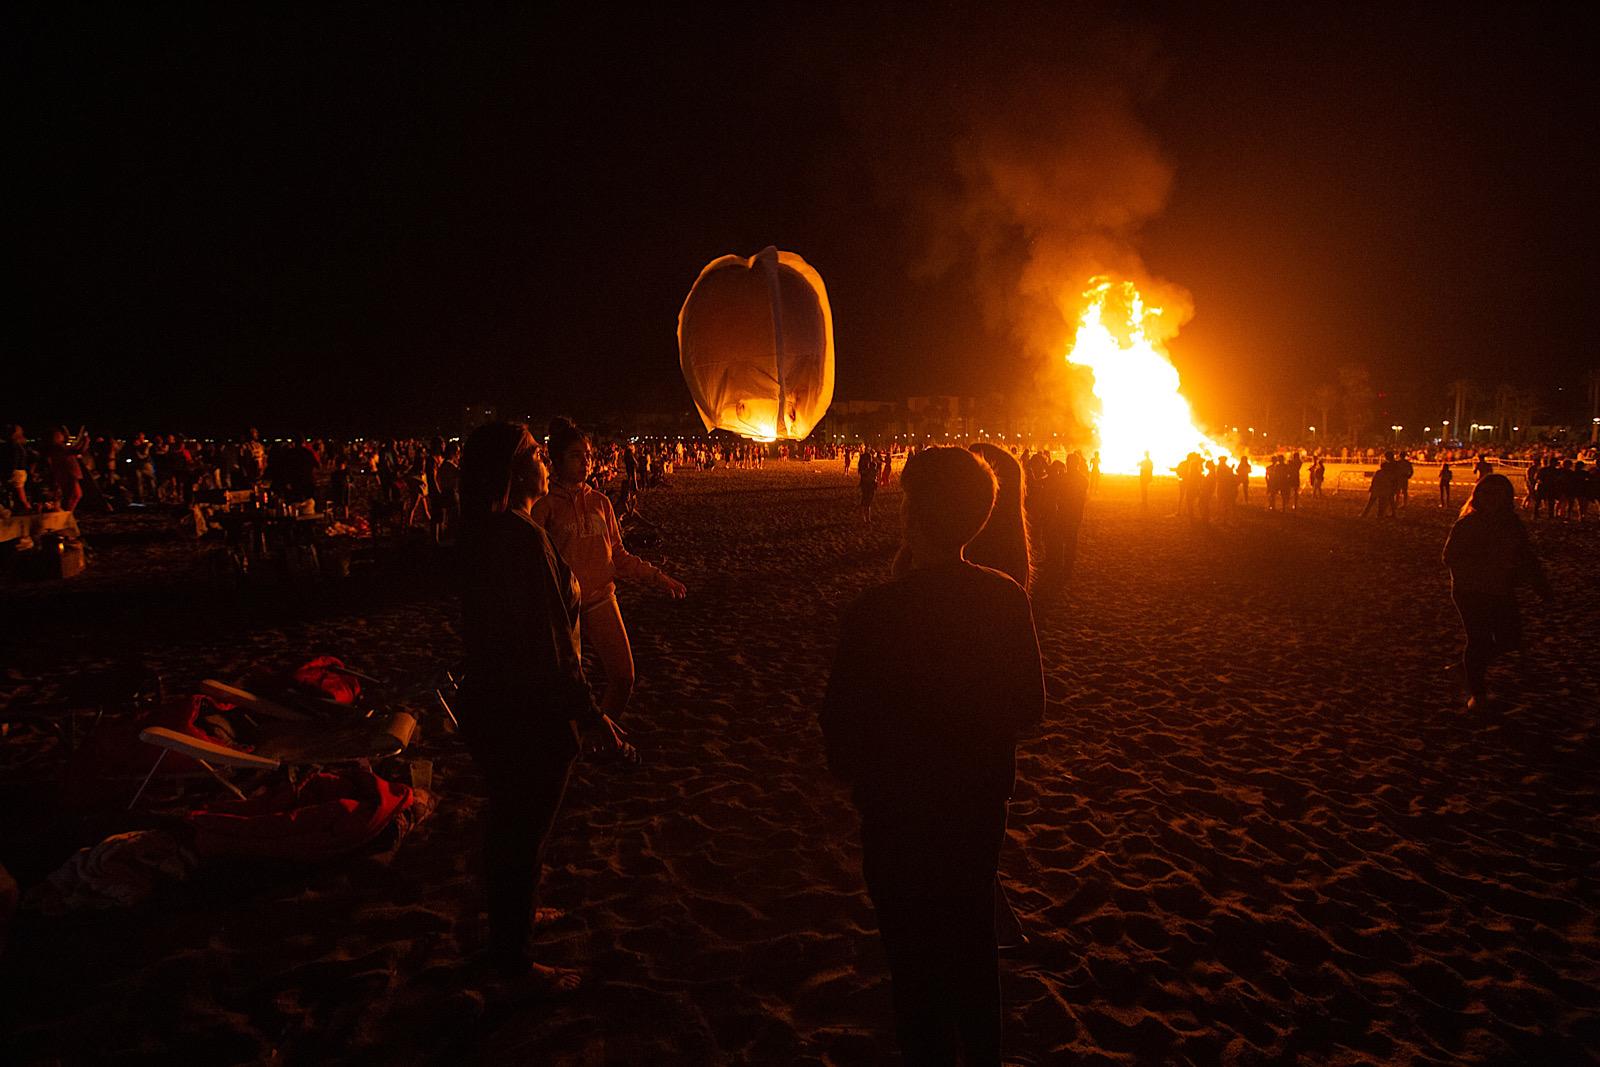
(1323, 398)
(1355, 387)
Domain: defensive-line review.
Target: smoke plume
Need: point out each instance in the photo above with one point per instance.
(1023, 165)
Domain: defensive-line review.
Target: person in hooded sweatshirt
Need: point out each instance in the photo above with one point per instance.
(937, 674)
(524, 697)
(1488, 555)
(582, 524)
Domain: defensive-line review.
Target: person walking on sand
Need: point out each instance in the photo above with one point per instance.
(583, 526)
(1488, 554)
(524, 696)
(926, 742)
(1147, 471)
(1445, 478)
(867, 471)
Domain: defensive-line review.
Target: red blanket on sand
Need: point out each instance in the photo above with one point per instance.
(332, 813)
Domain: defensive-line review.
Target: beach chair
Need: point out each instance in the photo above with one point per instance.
(284, 739)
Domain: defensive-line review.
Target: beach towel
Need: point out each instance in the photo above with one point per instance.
(330, 814)
(119, 872)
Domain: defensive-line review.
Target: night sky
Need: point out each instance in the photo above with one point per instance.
(360, 222)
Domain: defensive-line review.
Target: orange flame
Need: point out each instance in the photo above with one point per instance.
(1140, 406)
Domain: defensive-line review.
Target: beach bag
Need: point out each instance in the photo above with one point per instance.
(327, 675)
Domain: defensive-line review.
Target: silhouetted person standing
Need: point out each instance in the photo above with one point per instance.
(1445, 478)
(1488, 555)
(1068, 489)
(936, 675)
(867, 469)
(524, 697)
(1147, 471)
(1385, 483)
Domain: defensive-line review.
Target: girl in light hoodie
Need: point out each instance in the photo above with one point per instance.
(583, 527)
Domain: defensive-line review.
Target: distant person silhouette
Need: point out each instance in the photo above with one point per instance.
(1068, 487)
(1445, 478)
(1489, 555)
(1385, 483)
(1191, 474)
(1147, 472)
(1404, 472)
(1094, 473)
(867, 472)
(937, 674)
(1244, 477)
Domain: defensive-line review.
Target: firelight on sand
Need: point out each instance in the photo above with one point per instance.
(1136, 384)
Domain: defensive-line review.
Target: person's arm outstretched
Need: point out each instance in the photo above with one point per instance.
(630, 567)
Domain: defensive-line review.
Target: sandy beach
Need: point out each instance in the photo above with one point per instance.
(1257, 826)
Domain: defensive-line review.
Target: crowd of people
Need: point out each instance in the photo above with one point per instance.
(925, 743)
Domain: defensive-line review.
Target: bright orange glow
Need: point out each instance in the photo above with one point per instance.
(1140, 407)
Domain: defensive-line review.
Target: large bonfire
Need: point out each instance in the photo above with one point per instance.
(1140, 408)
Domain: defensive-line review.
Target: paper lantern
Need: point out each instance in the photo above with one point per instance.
(755, 341)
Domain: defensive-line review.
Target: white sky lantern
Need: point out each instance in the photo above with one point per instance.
(755, 341)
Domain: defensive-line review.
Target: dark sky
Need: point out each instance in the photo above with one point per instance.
(362, 221)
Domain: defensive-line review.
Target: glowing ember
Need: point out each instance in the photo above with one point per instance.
(1137, 386)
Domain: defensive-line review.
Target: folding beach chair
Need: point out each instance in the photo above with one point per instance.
(284, 738)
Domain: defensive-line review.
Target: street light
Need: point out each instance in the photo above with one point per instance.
(1397, 430)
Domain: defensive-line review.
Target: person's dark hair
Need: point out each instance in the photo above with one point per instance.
(1003, 541)
(1493, 497)
(487, 463)
(949, 494)
(564, 433)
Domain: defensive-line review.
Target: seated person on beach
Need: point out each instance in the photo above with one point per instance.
(582, 525)
(936, 675)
